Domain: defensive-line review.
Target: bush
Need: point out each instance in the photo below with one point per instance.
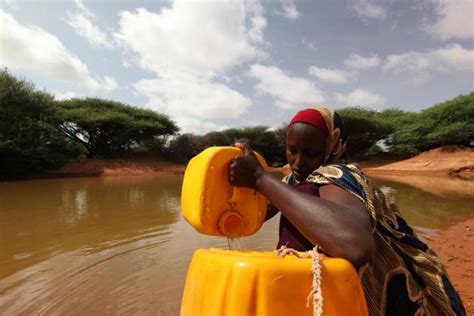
(184, 147)
(448, 123)
(267, 142)
(215, 139)
(29, 140)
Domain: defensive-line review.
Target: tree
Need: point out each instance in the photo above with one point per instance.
(447, 123)
(184, 147)
(268, 143)
(215, 139)
(400, 124)
(364, 130)
(108, 128)
(29, 140)
(264, 140)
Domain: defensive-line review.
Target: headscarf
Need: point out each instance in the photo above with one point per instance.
(332, 126)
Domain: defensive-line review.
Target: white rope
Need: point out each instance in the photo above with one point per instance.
(315, 296)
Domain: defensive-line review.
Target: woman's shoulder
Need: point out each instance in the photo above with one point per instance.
(339, 170)
(345, 175)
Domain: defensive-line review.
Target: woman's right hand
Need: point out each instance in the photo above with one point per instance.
(244, 171)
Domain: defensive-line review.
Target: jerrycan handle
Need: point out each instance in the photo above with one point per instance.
(235, 196)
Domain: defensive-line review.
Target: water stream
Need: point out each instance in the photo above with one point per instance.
(236, 243)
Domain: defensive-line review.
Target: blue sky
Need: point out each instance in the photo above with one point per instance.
(211, 65)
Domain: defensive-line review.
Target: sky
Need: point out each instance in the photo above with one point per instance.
(211, 65)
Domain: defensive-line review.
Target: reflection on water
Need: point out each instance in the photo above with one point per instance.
(449, 187)
(119, 244)
(425, 205)
(42, 217)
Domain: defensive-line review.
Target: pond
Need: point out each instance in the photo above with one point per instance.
(119, 245)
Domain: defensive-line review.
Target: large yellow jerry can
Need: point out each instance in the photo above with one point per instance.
(233, 283)
(211, 204)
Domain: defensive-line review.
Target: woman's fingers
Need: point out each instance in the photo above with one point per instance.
(244, 144)
(239, 145)
(243, 171)
(248, 150)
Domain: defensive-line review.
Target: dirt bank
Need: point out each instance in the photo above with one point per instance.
(134, 164)
(445, 161)
(455, 247)
(448, 160)
(118, 167)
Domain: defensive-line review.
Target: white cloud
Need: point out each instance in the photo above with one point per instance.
(289, 92)
(372, 9)
(106, 83)
(289, 10)
(452, 57)
(11, 3)
(330, 75)
(309, 44)
(181, 94)
(192, 125)
(360, 97)
(80, 5)
(454, 19)
(64, 95)
(360, 62)
(30, 47)
(203, 38)
(84, 27)
(190, 46)
(255, 32)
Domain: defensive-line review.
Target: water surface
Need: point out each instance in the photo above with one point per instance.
(118, 245)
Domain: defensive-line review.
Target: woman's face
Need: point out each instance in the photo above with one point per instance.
(305, 149)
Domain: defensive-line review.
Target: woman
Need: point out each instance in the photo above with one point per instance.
(332, 204)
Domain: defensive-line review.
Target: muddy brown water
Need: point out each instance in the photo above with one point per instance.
(119, 245)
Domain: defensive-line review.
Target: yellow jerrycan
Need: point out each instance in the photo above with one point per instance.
(211, 204)
(249, 283)
(234, 283)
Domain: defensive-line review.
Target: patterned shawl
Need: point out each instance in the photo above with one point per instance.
(401, 262)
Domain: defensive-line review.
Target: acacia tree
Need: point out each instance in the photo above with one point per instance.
(364, 130)
(447, 123)
(29, 139)
(108, 128)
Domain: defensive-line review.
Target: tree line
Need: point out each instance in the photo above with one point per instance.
(39, 133)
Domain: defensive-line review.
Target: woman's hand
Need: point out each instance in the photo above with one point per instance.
(244, 171)
(336, 221)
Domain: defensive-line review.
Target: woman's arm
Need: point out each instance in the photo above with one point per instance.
(337, 221)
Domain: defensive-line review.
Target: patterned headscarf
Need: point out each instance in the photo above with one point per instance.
(332, 127)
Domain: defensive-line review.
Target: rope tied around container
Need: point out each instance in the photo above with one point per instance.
(315, 296)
